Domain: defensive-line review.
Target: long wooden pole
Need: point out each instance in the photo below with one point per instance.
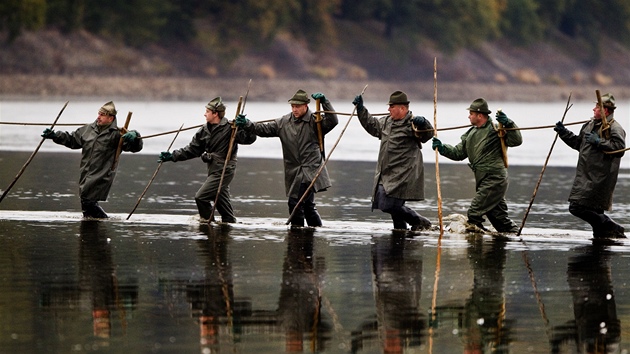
(230, 147)
(501, 134)
(318, 120)
(154, 174)
(227, 159)
(437, 154)
(6, 191)
(603, 133)
(321, 168)
(120, 142)
(438, 257)
(566, 109)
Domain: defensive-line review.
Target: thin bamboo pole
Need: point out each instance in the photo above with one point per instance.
(6, 191)
(230, 147)
(120, 142)
(228, 156)
(154, 174)
(437, 154)
(566, 109)
(439, 198)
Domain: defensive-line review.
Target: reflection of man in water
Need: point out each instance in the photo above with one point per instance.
(596, 328)
(98, 276)
(397, 267)
(299, 310)
(213, 299)
(485, 326)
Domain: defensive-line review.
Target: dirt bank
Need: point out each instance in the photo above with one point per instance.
(52, 87)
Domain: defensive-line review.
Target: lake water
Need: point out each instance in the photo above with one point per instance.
(160, 282)
(356, 145)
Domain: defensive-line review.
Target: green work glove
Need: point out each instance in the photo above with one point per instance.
(241, 120)
(130, 136)
(419, 121)
(502, 118)
(165, 156)
(358, 102)
(49, 134)
(319, 96)
(560, 128)
(592, 138)
(437, 144)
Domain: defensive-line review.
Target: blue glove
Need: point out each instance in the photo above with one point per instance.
(358, 102)
(165, 156)
(419, 121)
(49, 134)
(502, 118)
(560, 128)
(319, 96)
(241, 120)
(592, 138)
(437, 144)
(130, 136)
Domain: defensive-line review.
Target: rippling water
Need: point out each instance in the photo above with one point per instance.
(160, 282)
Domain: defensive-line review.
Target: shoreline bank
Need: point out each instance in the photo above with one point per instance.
(54, 87)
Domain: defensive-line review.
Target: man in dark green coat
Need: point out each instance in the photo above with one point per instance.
(301, 149)
(597, 169)
(98, 142)
(482, 145)
(399, 173)
(211, 142)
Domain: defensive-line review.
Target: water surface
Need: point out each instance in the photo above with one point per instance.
(161, 282)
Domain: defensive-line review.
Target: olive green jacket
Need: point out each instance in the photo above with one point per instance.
(214, 139)
(596, 172)
(300, 147)
(400, 167)
(482, 147)
(98, 152)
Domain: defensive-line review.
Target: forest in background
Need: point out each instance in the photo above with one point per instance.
(524, 41)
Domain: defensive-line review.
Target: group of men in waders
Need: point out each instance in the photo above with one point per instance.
(399, 175)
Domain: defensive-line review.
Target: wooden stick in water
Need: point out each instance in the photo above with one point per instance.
(566, 109)
(6, 191)
(154, 174)
(437, 154)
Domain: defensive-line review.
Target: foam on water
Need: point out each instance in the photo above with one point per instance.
(337, 232)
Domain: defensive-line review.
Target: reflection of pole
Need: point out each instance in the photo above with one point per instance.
(541, 305)
(224, 289)
(122, 314)
(435, 287)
